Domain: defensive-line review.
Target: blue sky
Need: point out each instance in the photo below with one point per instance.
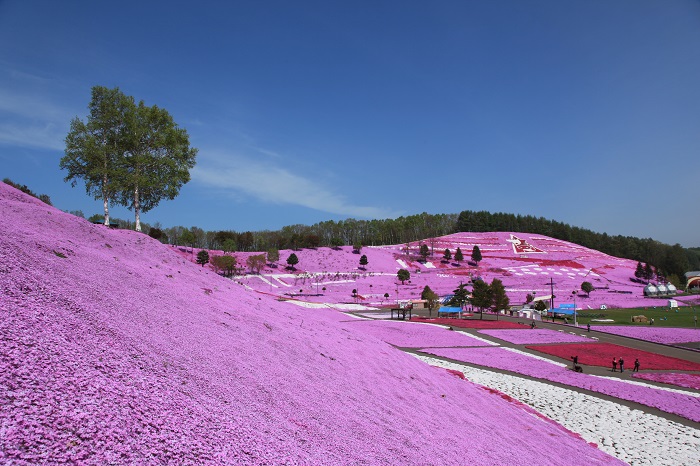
(585, 112)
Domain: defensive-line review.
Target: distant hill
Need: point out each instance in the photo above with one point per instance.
(115, 349)
(526, 263)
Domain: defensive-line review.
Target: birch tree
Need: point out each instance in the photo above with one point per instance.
(158, 160)
(94, 147)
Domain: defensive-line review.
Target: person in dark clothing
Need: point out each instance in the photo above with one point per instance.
(622, 365)
(588, 327)
(614, 365)
(636, 366)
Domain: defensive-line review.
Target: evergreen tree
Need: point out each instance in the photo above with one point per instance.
(481, 296)
(476, 254)
(363, 261)
(447, 255)
(203, 257)
(292, 260)
(424, 251)
(460, 297)
(459, 257)
(499, 298)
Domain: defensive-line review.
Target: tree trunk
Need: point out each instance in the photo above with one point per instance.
(105, 199)
(137, 209)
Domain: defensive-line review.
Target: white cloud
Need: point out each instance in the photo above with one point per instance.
(275, 184)
(47, 136)
(29, 120)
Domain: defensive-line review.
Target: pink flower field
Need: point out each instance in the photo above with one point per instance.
(665, 335)
(114, 349)
(522, 270)
(414, 335)
(684, 405)
(672, 378)
(535, 336)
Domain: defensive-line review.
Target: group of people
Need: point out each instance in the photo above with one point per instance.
(621, 362)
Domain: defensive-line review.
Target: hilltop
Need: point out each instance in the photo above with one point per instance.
(525, 263)
(115, 349)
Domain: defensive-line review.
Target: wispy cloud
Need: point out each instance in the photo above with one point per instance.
(28, 119)
(275, 184)
(47, 136)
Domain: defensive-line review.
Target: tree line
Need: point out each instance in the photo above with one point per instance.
(416, 231)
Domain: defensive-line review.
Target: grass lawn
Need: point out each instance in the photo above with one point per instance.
(663, 317)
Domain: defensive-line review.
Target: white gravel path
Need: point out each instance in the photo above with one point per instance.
(630, 435)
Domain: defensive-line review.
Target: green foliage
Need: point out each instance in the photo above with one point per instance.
(157, 233)
(203, 257)
(363, 261)
(292, 260)
(587, 287)
(431, 298)
(224, 264)
(132, 154)
(499, 298)
(59, 254)
(459, 257)
(403, 275)
(670, 259)
(476, 254)
(424, 251)
(540, 306)
(95, 148)
(460, 297)
(273, 255)
(229, 245)
(186, 238)
(42, 197)
(448, 255)
(357, 247)
(529, 298)
(256, 263)
(481, 295)
(336, 242)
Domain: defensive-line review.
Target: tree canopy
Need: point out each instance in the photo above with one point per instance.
(403, 275)
(476, 254)
(127, 153)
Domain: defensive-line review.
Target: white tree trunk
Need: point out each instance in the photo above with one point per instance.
(137, 209)
(105, 201)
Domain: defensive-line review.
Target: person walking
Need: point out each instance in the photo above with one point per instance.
(636, 366)
(622, 365)
(588, 327)
(614, 365)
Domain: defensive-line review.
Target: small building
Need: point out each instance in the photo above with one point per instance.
(672, 303)
(651, 290)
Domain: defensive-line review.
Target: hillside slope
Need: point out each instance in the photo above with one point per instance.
(114, 349)
(525, 263)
